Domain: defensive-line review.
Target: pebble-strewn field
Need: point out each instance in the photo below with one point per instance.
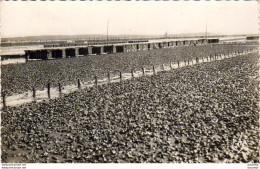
(23, 77)
(196, 114)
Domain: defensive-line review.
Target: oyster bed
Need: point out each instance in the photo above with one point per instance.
(202, 113)
(20, 78)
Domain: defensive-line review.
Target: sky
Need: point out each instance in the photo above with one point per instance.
(28, 18)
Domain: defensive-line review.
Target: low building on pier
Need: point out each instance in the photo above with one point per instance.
(77, 51)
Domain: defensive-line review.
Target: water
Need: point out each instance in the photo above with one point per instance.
(13, 61)
(12, 50)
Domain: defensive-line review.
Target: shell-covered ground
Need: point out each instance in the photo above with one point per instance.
(195, 114)
(18, 78)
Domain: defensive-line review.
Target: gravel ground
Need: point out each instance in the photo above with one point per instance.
(195, 114)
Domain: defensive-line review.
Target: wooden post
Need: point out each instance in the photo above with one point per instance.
(4, 100)
(120, 76)
(49, 54)
(63, 53)
(163, 67)
(49, 90)
(197, 60)
(132, 72)
(96, 80)
(154, 70)
(143, 70)
(188, 62)
(27, 56)
(59, 88)
(76, 52)
(178, 63)
(108, 77)
(79, 85)
(34, 93)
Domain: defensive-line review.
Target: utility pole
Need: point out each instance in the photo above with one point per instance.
(206, 29)
(107, 30)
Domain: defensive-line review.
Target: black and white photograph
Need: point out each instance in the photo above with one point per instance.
(129, 82)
